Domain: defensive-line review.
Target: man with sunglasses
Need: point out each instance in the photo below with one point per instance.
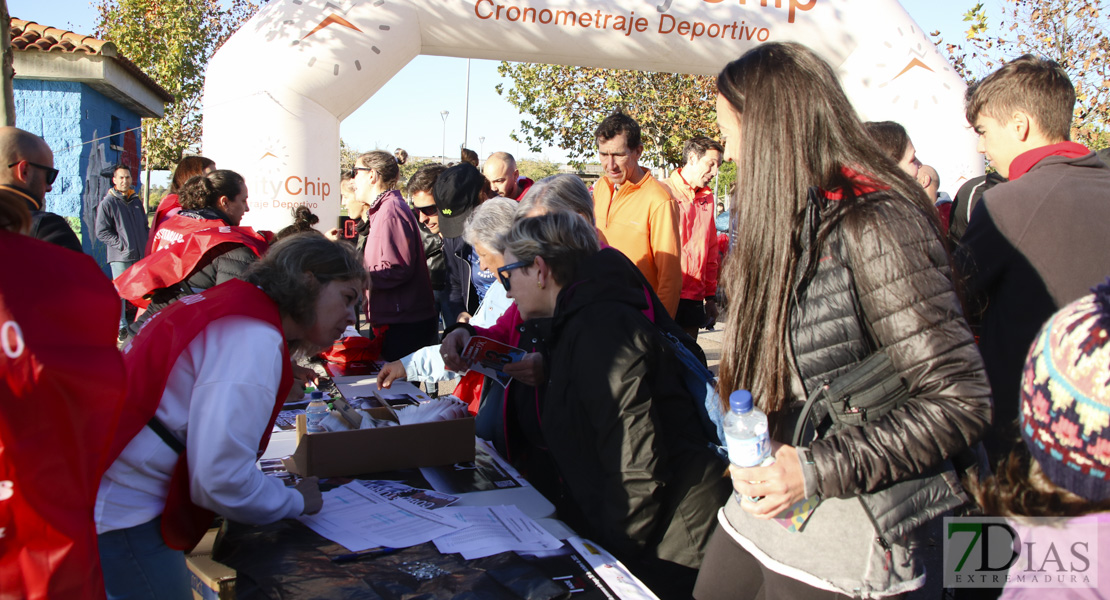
(28, 173)
(423, 204)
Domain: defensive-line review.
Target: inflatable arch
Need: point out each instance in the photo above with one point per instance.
(277, 90)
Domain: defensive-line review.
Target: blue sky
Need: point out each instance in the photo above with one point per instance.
(406, 111)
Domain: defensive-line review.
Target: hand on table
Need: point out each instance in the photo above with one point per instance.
(528, 370)
(309, 487)
(301, 377)
(451, 348)
(391, 372)
(780, 485)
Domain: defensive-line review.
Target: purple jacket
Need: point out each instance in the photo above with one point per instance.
(400, 287)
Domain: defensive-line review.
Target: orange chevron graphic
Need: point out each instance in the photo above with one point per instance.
(333, 20)
(913, 63)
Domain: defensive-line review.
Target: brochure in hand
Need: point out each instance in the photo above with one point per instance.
(489, 357)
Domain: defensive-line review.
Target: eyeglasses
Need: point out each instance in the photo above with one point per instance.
(503, 272)
(427, 211)
(51, 172)
(352, 172)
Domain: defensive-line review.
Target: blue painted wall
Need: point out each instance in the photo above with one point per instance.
(70, 116)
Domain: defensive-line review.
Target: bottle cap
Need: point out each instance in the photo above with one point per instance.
(740, 401)
(316, 395)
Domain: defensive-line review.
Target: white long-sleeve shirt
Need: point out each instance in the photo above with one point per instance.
(218, 398)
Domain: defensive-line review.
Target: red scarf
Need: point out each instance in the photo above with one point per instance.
(1029, 159)
(150, 359)
(62, 388)
(861, 184)
(174, 264)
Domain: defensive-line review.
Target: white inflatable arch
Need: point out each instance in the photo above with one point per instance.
(276, 92)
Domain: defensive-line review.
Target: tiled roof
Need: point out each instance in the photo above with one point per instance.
(30, 36)
(27, 35)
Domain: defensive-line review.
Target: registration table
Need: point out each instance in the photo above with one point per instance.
(289, 560)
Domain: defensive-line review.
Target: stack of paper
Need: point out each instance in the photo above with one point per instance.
(492, 530)
(358, 519)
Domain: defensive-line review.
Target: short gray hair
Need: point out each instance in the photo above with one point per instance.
(562, 238)
(558, 192)
(490, 222)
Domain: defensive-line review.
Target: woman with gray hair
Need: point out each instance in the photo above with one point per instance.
(615, 440)
(484, 230)
(558, 192)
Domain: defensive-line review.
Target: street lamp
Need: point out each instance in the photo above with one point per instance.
(443, 146)
(481, 145)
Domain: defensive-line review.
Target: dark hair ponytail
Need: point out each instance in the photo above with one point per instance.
(205, 191)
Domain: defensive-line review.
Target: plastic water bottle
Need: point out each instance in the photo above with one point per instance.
(315, 413)
(746, 436)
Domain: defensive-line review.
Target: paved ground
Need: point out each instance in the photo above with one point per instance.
(712, 343)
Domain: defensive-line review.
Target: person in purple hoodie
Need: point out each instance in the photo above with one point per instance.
(401, 307)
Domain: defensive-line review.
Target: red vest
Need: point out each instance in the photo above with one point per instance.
(168, 207)
(150, 358)
(176, 262)
(62, 388)
(174, 230)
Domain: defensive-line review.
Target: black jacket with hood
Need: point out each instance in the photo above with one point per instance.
(620, 424)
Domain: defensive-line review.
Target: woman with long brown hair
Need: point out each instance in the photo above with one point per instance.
(837, 261)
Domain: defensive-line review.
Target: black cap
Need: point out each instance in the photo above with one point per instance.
(457, 192)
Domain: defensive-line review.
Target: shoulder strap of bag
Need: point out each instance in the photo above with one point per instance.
(163, 432)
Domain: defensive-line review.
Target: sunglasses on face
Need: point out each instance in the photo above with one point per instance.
(51, 172)
(352, 172)
(427, 211)
(503, 272)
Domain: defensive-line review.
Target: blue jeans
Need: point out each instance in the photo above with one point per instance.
(137, 564)
(118, 267)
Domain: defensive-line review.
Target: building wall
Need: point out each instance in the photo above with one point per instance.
(71, 116)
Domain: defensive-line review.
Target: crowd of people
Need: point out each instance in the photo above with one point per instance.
(840, 251)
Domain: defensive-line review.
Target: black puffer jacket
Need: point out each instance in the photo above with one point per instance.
(883, 269)
(621, 425)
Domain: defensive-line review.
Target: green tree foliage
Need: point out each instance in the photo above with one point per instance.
(409, 169)
(536, 169)
(565, 104)
(171, 41)
(1071, 32)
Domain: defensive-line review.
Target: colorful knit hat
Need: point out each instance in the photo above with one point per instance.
(1065, 397)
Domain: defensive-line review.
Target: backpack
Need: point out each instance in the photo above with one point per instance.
(699, 381)
(702, 385)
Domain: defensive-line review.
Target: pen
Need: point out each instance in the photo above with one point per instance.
(376, 552)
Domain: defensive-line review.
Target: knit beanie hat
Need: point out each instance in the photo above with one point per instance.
(1065, 397)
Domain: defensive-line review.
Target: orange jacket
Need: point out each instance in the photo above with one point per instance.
(700, 256)
(641, 220)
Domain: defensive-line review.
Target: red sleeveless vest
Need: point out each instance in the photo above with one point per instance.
(176, 262)
(150, 358)
(62, 386)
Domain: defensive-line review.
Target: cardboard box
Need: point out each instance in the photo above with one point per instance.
(209, 579)
(347, 453)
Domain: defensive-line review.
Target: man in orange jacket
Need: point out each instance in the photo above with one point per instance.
(637, 214)
(697, 305)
